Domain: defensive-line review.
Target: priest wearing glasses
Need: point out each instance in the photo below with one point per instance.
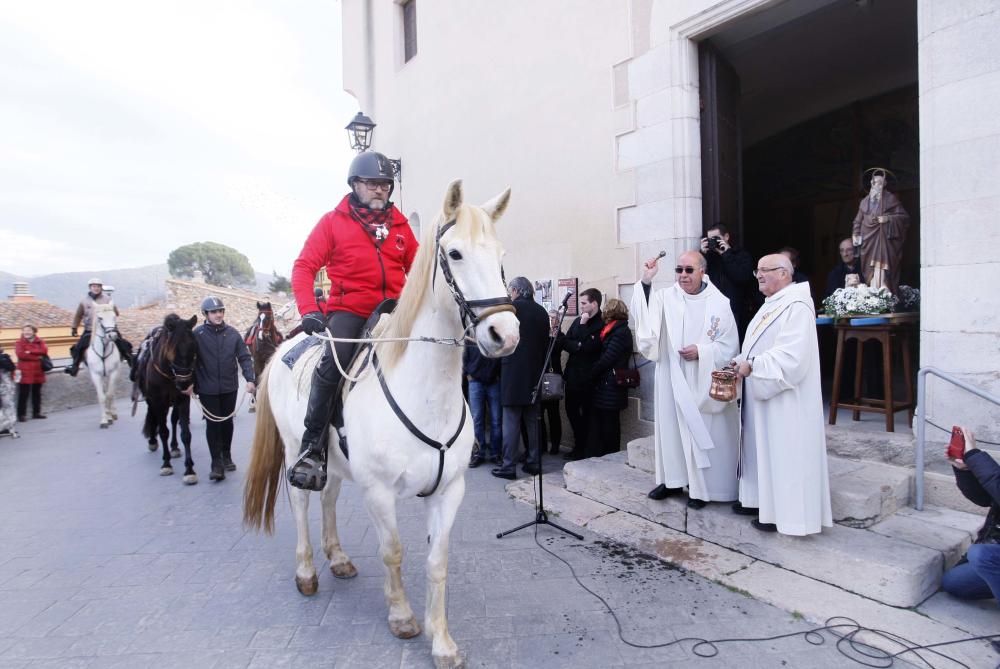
(783, 469)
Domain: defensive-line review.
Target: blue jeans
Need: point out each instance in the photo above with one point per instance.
(979, 578)
(483, 396)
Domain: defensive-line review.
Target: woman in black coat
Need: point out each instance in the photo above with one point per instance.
(609, 398)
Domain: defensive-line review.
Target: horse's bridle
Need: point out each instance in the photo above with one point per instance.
(489, 305)
(470, 319)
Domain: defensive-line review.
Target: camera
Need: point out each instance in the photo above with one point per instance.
(713, 243)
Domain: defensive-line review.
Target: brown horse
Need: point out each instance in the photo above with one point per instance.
(263, 339)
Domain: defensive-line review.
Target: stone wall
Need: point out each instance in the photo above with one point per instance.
(184, 297)
(959, 196)
(65, 392)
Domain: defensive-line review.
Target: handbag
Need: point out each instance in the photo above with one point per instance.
(553, 386)
(46, 363)
(628, 377)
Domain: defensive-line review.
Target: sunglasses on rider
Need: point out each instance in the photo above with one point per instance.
(685, 270)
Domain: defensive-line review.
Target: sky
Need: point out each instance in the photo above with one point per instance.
(132, 128)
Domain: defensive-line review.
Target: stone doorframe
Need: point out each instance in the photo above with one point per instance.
(650, 215)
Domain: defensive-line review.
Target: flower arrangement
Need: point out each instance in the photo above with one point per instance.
(907, 299)
(857, 300)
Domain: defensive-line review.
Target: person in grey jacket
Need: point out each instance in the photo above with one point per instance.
(220, 349)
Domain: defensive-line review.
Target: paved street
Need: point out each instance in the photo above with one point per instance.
(103, 563)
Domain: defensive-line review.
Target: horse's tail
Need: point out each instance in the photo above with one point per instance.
(263, 478)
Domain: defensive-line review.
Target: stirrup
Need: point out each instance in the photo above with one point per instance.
(309, 471)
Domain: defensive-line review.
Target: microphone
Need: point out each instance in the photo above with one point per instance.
(660, 254)
(569, 294)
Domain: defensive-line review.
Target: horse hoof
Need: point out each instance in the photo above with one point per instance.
(152, 446)
(309, 586)
(104, 426)
(455, 661)
(166, 471)
(190, 479)
(405, 629)
(344, 570)
(175, 452)
(114, 417)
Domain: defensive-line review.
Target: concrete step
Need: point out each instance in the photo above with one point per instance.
(901, 564)
(861, 493)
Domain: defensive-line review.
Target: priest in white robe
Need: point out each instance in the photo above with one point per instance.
(689, 330)
(783, 467)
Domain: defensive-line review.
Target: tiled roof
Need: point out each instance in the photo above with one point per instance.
(40, 314)
(135, 323)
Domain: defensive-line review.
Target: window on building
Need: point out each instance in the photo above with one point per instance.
(409, 30)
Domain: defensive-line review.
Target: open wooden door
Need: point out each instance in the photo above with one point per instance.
(721, 141)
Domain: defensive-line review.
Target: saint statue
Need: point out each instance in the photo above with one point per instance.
(880, 230)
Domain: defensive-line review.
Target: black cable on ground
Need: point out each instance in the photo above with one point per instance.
(843, 629)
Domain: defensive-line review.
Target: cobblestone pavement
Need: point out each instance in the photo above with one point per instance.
(103, 563)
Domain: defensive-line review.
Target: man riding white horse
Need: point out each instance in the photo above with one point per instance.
(367, 247)
(85, 314)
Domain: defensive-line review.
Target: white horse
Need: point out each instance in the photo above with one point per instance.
(458, 262)
(104, 361)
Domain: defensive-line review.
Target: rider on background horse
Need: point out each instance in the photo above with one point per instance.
(367, 247)
(85, 314)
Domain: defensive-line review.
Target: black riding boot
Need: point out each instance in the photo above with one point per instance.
(74, 365)
(309, 471)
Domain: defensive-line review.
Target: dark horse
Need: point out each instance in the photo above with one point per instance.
(262, 338)
(168, 370)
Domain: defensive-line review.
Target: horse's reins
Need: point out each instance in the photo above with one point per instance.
(106, 351)
(470, 319)
(185, 374)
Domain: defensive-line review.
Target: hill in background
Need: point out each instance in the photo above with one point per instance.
(133, 287)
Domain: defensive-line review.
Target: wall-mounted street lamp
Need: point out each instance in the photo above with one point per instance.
(360, 131)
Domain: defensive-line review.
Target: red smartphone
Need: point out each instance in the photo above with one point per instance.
(956, 447)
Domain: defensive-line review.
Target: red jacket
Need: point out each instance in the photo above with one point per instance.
(29, 359)
(361, 273)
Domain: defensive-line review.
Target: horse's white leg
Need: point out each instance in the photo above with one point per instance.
(109, 396)
(381, 502)
(101, 399)
(442, 507)
(340, 564)
(305, 571)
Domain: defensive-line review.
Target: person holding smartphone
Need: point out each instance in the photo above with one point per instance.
(977, 575)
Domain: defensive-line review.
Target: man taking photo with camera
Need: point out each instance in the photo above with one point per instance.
(730, 269)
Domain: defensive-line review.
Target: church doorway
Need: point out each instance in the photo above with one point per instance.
(797, 101)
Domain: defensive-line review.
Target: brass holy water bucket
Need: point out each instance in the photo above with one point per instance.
(723, 388)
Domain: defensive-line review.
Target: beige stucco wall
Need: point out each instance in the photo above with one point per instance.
(593, 118)
(518, 94)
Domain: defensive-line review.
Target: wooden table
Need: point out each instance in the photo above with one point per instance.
(891, 330)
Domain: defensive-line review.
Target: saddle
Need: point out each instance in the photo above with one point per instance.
(362, 353)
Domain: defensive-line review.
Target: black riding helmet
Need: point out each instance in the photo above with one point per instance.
(211, 303)
(371, 165)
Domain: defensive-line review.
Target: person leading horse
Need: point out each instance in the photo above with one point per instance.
(367, 247)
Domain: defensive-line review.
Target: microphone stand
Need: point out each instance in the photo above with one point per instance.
(541, 517)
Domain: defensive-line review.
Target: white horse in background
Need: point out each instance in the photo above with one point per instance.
(458, 263)
(103, 360)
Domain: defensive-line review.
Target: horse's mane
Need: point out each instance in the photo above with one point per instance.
(173, 327)
(418, 281)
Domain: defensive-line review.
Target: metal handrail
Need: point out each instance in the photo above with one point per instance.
(922, 423)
